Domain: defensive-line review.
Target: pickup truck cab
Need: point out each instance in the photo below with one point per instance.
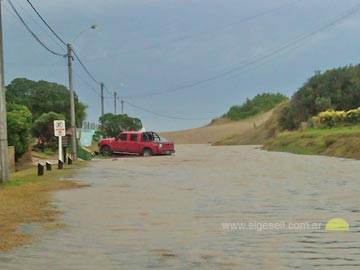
(146, 143)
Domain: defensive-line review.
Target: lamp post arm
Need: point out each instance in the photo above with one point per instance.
(83, 31)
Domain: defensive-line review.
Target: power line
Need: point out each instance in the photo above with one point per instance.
(236, 68)
(85, 68)
(41, 26)
(31, 32)
(64, 43)
(107, 90)
(88, 84)
(211, 31)
(245, 65)
(48, 26)
(85, 82)
(165, 115)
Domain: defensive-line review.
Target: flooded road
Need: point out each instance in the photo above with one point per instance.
(204, 208)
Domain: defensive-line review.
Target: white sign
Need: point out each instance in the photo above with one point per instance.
(59, 128)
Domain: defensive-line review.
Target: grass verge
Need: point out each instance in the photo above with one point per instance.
(26, 198)
(339, 142)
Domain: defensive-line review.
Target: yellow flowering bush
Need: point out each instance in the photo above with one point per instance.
(353, 116)
(331, 118)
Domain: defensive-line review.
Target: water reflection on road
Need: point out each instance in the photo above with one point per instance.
(169, 213)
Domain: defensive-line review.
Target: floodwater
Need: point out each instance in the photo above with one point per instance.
(170, 213)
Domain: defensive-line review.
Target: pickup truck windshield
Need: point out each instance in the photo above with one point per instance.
(150, 136)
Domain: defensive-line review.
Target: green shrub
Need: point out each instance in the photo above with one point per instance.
(19, 123)
(259, 104)
(44, 129)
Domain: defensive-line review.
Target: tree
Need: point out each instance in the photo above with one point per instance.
(44, 128)
(44, 97)
(111, 125)
(337, 89)
(19, 123)
(285, 118)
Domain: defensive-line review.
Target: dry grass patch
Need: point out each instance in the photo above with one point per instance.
(26, 198)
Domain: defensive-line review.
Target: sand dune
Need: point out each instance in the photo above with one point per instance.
(216, 131)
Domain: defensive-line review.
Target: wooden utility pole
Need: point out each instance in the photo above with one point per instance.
(4, 154)
(122, 106)
(115, 102)
(72, 103)
(102, 99)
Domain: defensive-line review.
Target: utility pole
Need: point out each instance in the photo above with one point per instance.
(115, 103)
(4, 155)
(122, 106)
(72, 103)
(102, 99)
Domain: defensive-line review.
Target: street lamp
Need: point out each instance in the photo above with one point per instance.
(93, 27)
(72, 94)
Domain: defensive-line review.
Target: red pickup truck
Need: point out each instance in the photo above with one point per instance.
(146, 143)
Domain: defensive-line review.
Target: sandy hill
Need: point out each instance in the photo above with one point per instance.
(259, 135)
(218, 130)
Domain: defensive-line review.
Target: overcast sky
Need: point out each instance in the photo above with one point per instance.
(189, 59)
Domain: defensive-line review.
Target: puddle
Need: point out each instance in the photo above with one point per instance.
(31, 228)
(170, 213)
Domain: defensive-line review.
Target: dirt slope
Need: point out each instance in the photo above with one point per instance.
(260, 134)
(216, 131)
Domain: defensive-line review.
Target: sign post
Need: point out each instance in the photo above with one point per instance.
(59, 130)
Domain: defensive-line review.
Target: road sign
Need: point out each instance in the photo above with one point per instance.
(59, 128)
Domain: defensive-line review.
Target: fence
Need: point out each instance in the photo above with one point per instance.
(90, 126)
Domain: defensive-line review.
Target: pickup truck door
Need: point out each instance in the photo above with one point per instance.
(120, 143)
(133, 143)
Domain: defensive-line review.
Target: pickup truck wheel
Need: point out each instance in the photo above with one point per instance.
(106, 151)
(147, 152)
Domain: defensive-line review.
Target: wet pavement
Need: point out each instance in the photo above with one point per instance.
(203, 208)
